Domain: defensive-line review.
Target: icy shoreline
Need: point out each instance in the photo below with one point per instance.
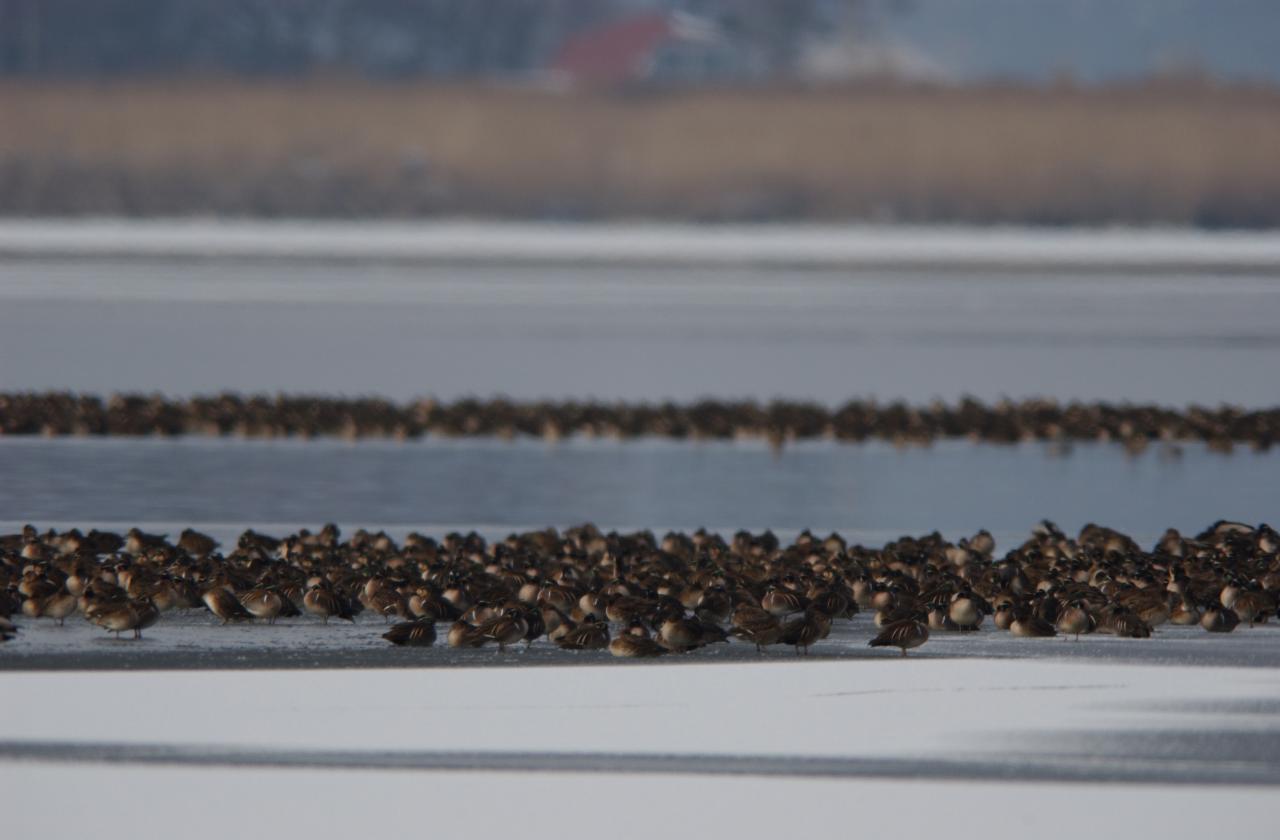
(772, 245)
(192, 640)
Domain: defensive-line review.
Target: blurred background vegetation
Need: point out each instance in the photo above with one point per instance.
(979, 111)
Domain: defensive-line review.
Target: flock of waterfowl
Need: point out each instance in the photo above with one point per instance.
(638, 595)
(1136, 426)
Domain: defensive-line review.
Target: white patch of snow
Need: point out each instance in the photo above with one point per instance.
(867, 708)
(129, 802)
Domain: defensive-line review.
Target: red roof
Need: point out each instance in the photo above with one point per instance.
(613, 53)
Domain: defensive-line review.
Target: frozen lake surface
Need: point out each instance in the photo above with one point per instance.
(942, 713)
(640, 313)
(336, 803)
(826, 742)
(326, 730)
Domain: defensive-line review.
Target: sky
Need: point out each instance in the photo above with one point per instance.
(1092, 40)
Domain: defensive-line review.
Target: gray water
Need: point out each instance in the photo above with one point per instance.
(637, 332)
(871, 491)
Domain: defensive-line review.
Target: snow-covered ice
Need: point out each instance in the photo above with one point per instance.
(211, 803)
(964, 740)
(882, 707)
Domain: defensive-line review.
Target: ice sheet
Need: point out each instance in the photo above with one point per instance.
(885, 707)
(202, 803)
(650, 243)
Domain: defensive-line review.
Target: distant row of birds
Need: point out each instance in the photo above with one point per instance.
(638, 595)
(1136, 426)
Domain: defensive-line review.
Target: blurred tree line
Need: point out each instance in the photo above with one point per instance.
(448, 39)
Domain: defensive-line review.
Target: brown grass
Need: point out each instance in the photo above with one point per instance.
(1175, 154)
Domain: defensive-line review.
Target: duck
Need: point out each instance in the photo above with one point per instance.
(862, 588)
(592, 604)
(129, 615)
(1219, 619)
(263, 602)
(223, 604)
(940, 620)
(1227, 596)
(1076, 620)
(635, 643)
(99, 593)
(1026, 624)
(679, 633)
(535, 625)
(424, 603)
(463, 635)
(832, 602)
(56, 605)
(623, 608)
(557, 623)
(1252, 605)
(1121, 621)
(321, 600)
(982, 542)
(591, 634)
(148, 614)
(388, 603)
(10, 601)
(1184, 612)
(782, 602)
(36, 587)
(714, 605)
(420, 632)
(802, 632)
(196, 544)
(757, 626)
(507, 628)
(966, 610)
(559, 597)
(165, 594)
(899, 609)
(139, 542)
(903, 634)
(480, 613)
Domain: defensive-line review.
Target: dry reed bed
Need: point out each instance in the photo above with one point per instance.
(1183, 154)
